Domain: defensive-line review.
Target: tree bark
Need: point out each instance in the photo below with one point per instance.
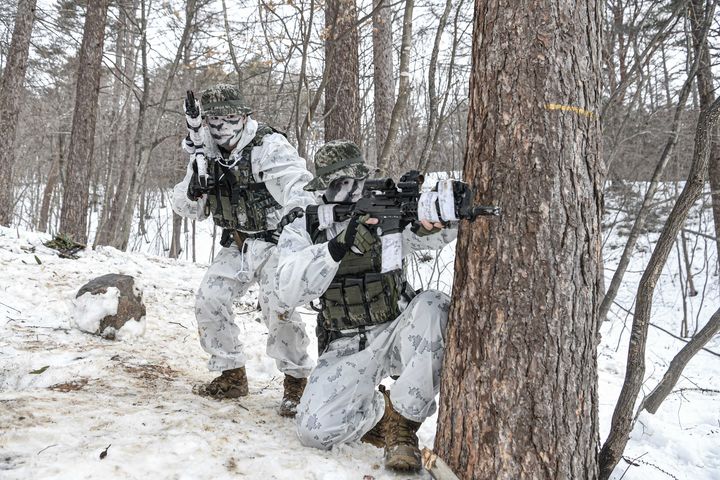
(10, 93)
(342, 65)
(388, 151)
(519, 382)
(624, 414)
(73, 216)
(383, 82)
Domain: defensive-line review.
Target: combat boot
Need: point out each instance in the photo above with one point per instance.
(230, 384)
(293, 389)
(402, 451)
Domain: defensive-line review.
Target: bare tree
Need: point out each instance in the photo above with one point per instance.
(624, 414)
(73, 217)
(519, 382)
(433, 97)
(117, 164)
(143, 148)
(383, 83)
(403, 87)
(10, 95)
(700, 17)
(342, 69)
(646, 207)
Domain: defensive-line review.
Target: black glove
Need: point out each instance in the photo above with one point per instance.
(194, 190)
(356, 235)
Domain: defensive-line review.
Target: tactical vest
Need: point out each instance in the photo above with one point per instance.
(360, 295)
(237, 201)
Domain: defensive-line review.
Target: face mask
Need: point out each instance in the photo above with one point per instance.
(344, 190)
(226, 130)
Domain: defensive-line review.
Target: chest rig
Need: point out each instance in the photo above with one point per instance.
(359, 295)
(237, 201)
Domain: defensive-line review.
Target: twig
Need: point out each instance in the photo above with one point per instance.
(176, 323)
(49, 446)
(8, 306)
(700, 234)
(268, 385)
(657, 468)
(679, 391)
(631, 463)
(682, 339)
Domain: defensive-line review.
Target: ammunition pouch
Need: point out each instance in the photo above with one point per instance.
(362, 300)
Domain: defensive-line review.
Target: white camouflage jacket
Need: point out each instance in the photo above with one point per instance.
(275, 162)
(305, 270)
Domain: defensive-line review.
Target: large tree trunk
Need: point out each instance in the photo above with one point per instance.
(384, 84)
(10, 92)
(73, 216)
(519, 383)
(342, 93)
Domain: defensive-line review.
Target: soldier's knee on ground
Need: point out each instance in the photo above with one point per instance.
(309, 431)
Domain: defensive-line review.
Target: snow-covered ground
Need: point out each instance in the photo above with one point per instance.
(65, 395)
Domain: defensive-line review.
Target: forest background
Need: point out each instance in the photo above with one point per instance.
(91, 108)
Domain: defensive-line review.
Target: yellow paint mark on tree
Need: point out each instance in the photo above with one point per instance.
(568, 108)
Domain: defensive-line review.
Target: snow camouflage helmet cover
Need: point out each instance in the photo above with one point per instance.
(337, 159)
(223, 99)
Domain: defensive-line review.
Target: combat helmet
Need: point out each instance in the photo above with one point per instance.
(223, 99)
(337, 159)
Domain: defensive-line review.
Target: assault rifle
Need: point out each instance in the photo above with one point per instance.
(396, 205)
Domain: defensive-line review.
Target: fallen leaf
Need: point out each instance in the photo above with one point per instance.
(40, 370)
(37, 260)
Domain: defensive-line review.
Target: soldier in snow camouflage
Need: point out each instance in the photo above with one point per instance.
(254, 175)
(371, 324)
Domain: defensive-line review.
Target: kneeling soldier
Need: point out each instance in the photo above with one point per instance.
(371, 325)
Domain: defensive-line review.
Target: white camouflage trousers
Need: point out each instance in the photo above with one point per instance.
(341, 402)
(229, 277)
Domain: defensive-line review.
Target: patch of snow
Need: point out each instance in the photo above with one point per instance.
(90, 309)
(132, 329)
